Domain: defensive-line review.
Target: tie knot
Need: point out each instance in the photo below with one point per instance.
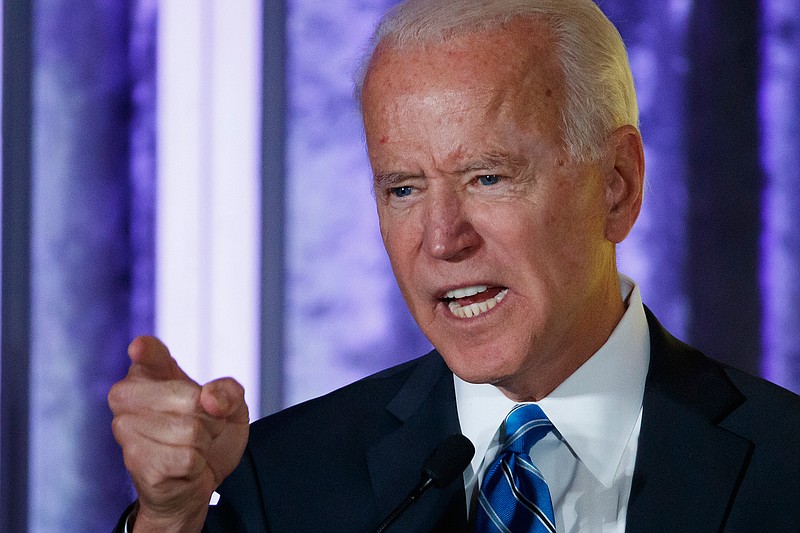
(525, 426)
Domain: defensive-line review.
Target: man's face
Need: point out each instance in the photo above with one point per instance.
(497, 240)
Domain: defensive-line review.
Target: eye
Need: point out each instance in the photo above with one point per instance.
(401, 192)
(490, 179)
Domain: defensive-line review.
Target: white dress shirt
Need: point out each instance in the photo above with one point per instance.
(588, 460)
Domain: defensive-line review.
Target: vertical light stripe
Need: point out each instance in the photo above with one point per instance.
(180, 182)
(236, 192)
(208, 236)
(780, 151)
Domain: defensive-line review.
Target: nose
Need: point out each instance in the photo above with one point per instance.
(449, 234)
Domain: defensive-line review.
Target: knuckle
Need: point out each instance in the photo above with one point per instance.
(132, 457)
(119, 428)
(186, 397)
(150, 477)
(116, 396)
(154, 469)
(192, 430)
(185, 461)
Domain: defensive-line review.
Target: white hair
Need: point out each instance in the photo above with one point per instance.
(599, 91)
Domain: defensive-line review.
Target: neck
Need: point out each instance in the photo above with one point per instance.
(592, 328)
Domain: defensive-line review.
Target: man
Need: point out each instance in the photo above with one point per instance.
(507, 165)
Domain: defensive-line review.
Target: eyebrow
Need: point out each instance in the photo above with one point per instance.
(489, 161)
(492, 161)
(387, 180)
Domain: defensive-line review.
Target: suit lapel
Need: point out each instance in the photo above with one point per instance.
(425, 411)
(688, 467)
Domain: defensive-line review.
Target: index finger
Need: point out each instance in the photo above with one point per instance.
(150, 358)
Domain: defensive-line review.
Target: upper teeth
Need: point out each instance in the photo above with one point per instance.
(475, 309)
(466, 291)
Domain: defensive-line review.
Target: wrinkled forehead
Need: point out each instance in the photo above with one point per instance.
(511, 65)
(522, 41)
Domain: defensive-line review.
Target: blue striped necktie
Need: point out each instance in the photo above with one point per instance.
(514, 497)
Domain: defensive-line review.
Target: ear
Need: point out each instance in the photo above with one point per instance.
(624, 182)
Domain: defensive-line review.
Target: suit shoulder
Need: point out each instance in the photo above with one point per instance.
(764, 400)
(359, 401)
(752, 407)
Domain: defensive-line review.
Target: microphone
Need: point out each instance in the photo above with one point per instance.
(440, 469)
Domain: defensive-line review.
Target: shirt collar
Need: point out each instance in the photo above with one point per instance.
(594, 410)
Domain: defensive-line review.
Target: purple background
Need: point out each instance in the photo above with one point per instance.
(717, 249)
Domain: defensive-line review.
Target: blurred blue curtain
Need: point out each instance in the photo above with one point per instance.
(779, 111)
(91, 228)
(697, 244)
(717, 249)
(719, 86)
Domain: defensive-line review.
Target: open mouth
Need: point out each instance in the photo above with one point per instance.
(469, 302)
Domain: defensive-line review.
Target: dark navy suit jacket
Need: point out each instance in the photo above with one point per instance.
(718, 451)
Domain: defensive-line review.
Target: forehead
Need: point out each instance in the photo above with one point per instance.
(509, 68)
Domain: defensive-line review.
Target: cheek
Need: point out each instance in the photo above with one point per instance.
(398, 240)
(384, 228)
(516, 227)
(555, 238)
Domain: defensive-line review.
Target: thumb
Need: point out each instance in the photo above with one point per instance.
(224, 398)
(150, 358)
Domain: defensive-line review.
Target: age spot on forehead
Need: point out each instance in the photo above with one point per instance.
(549, 93)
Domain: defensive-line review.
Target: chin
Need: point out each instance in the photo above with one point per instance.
(478, 365)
